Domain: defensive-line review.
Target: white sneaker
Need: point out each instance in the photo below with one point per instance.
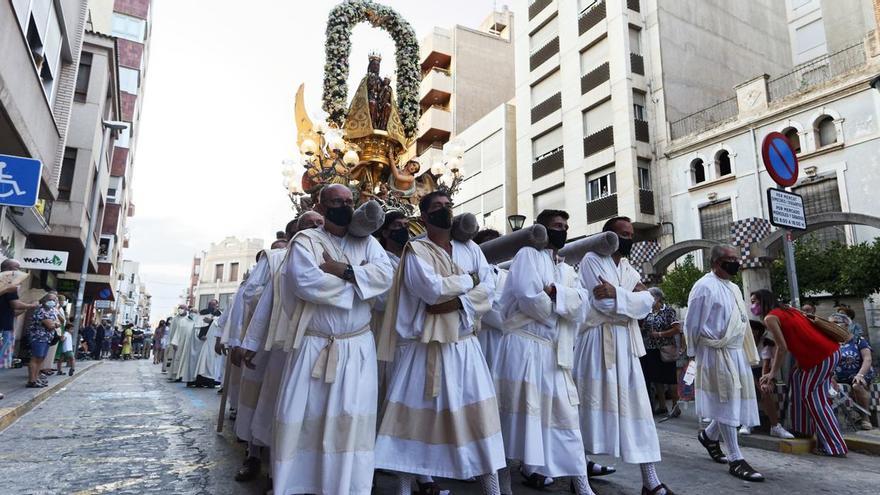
(780, 432)
(745, 430)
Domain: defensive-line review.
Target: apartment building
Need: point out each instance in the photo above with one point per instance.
(222, 269)
(466, 73)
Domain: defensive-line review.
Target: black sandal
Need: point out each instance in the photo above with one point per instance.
(656, 490)
(535, 481)
(429, 488)
(603, 470)
(713, 448)
(743, 471)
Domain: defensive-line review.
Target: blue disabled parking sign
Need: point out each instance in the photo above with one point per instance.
(19, 181)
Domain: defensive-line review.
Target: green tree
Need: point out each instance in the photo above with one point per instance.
(677, 283)
(837, 269)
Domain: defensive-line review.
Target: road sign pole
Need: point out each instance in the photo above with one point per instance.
(791, 270)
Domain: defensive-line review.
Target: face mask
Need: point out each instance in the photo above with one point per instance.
(51, 304)
(557, 238)
(181, 312)
(756, 309)
(341, 215)
(400, 236)
(731, 267)
(192, 316)
(441, 218)
(624, 246)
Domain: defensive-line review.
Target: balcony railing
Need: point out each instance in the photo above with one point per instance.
(546, 107)
(646, 201)
(548, 162)
(544, 53)
(637, 64)
(817, 72)
(633, 5)
(704, 119)
(591, 16)
(602, 208)
(642, 131)
(594, 78)
(536, 7)
(44, 208)
(598, 141)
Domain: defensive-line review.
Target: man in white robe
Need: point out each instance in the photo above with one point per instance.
(170, 352)
(615, 412)
(543, 306)
(209, 366)
(720, 341)
(203, 321)
(491, 324)
(441, 416)
(325, 422)
(183, 345)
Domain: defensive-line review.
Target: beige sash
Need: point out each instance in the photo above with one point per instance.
(325, 365)
(570, 387)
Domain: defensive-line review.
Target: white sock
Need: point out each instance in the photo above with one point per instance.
(729, 434)
(405, 481)
(582, 486)
(712, 431)
(504, 481)
(649, 477)
(489, 483)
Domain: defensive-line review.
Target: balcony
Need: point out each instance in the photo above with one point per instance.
(436, 87)
(591, 80)
(544, 53)
(537, 6)
(637, 64)
(546, 163)
(546, 107)
(32, 220)
(598, 141)
(642, 131)
(591, 16)
(435, 50)
(633, 5)
(430, 154)
(435, 124)
(646, 201)
(602, 208)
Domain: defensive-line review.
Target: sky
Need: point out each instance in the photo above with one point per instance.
(217, 119)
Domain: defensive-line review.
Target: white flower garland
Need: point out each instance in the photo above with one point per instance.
(338, 48)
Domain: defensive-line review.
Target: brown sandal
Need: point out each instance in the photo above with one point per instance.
(657, 490)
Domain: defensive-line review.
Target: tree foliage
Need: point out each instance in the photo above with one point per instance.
(838, 270)
(677, 283)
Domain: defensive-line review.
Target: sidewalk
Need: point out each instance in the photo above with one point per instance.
(20, 399)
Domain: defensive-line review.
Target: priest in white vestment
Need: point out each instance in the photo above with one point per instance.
(209, 365)
(720, 341)
(441, 416)
(543, 306)
(203, 322)
(184, 336)
(491, 324)
(325, 423)
(615, 412)
(170, 352)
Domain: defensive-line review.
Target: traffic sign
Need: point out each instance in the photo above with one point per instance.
(786, 209)
(102, 304)
(19, 181)
(780, 159)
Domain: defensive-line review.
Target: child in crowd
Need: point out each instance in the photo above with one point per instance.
(67, 350)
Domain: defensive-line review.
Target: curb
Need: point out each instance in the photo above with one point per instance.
(862, 445)
(9, 415)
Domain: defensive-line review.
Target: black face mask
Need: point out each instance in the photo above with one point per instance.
(557, 238)
(400, 236)
(341, 215)
(624, 246)
(731, 267)
(441, 218)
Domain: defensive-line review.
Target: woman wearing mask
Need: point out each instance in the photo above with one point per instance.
(661, 327)
(44, 324)
(816, 356)
(854, 367)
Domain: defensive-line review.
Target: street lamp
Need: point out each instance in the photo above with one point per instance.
(108, 126)
(516, 222)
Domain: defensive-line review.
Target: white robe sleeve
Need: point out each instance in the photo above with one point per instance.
(478, 300)
(421, 279)
(494, 317)
(627, 304)
(255, 337)
(697, 313)
(591, 268)
(373, 278)
(525, 289)
(311, 284)
(572, 303)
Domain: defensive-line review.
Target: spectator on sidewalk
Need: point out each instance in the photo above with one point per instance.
(817, 356)
(127, 336)
(88, 338)
(768, 403)
(808, 309)
(159, 343)
(44, 324)
(854, 368)
(66, 350)
(659, 363)
(137, 342)
(116, 344)
(100, 339)
(854, 326)
(10, 304)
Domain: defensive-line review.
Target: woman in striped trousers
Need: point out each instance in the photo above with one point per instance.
(816, 355)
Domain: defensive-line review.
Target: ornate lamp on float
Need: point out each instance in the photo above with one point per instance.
(516, 222)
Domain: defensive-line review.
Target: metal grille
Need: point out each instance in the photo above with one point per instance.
(642, 131)
(544, 53)
(602, 208)
(598, 141)
(820, 197)
(637, 64)
(632, 5)
(704, 119)
(536, 7)
(548, 163)
(646, 201)
(817, 72)
(546, 107)
(715, 222)
(595, 77)
(591, 16)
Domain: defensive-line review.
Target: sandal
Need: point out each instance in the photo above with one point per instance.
(743, 471)
(534, 480)
(602, 470)
(33, 385)
(713, 448)
(429, 488)
(656, 490)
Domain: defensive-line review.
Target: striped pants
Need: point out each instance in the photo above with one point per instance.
(811, 408)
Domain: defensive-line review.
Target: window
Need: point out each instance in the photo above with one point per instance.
(715, 222)
(644, 169)
(128, 80)
(722, 163)
(128, 27)
(226, 299)
(822, 196)
(471, 162)
(698, 171)
(826, 132)
(233, 272)
(543, 35)
(203, 300)
(810, 41)
(639, 105)
(598, 117)
(546, 143)
(114, 190)
(634, 44)
(794, 138)
(601, 187)
(123, 138)
(68, 168)
(594, 56)
(82, 77)
(218, 272)
(551, 199)
(105, 249)
(548, 87)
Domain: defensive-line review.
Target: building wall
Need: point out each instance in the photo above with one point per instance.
(229, 250)
(483, 75)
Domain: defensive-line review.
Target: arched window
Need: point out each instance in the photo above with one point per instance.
(826, 132)
(722, 163)
(698, 171)
(794, 138)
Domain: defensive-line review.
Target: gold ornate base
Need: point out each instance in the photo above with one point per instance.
(376, 147)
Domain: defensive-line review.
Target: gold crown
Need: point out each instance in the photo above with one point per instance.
(375, 56)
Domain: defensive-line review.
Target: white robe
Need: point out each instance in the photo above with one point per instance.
(536, 394)
(169, 364)
(456, 434)
(615, 413)
(325, 430)
(194, 347)
(376, 324)
(184, 334)
(721, 361)
(209, 364)
(491, 325)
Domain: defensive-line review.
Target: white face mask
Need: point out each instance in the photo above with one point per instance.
(51, 304)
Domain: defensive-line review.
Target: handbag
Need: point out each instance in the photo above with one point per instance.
(831, 330)
(669, 353)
